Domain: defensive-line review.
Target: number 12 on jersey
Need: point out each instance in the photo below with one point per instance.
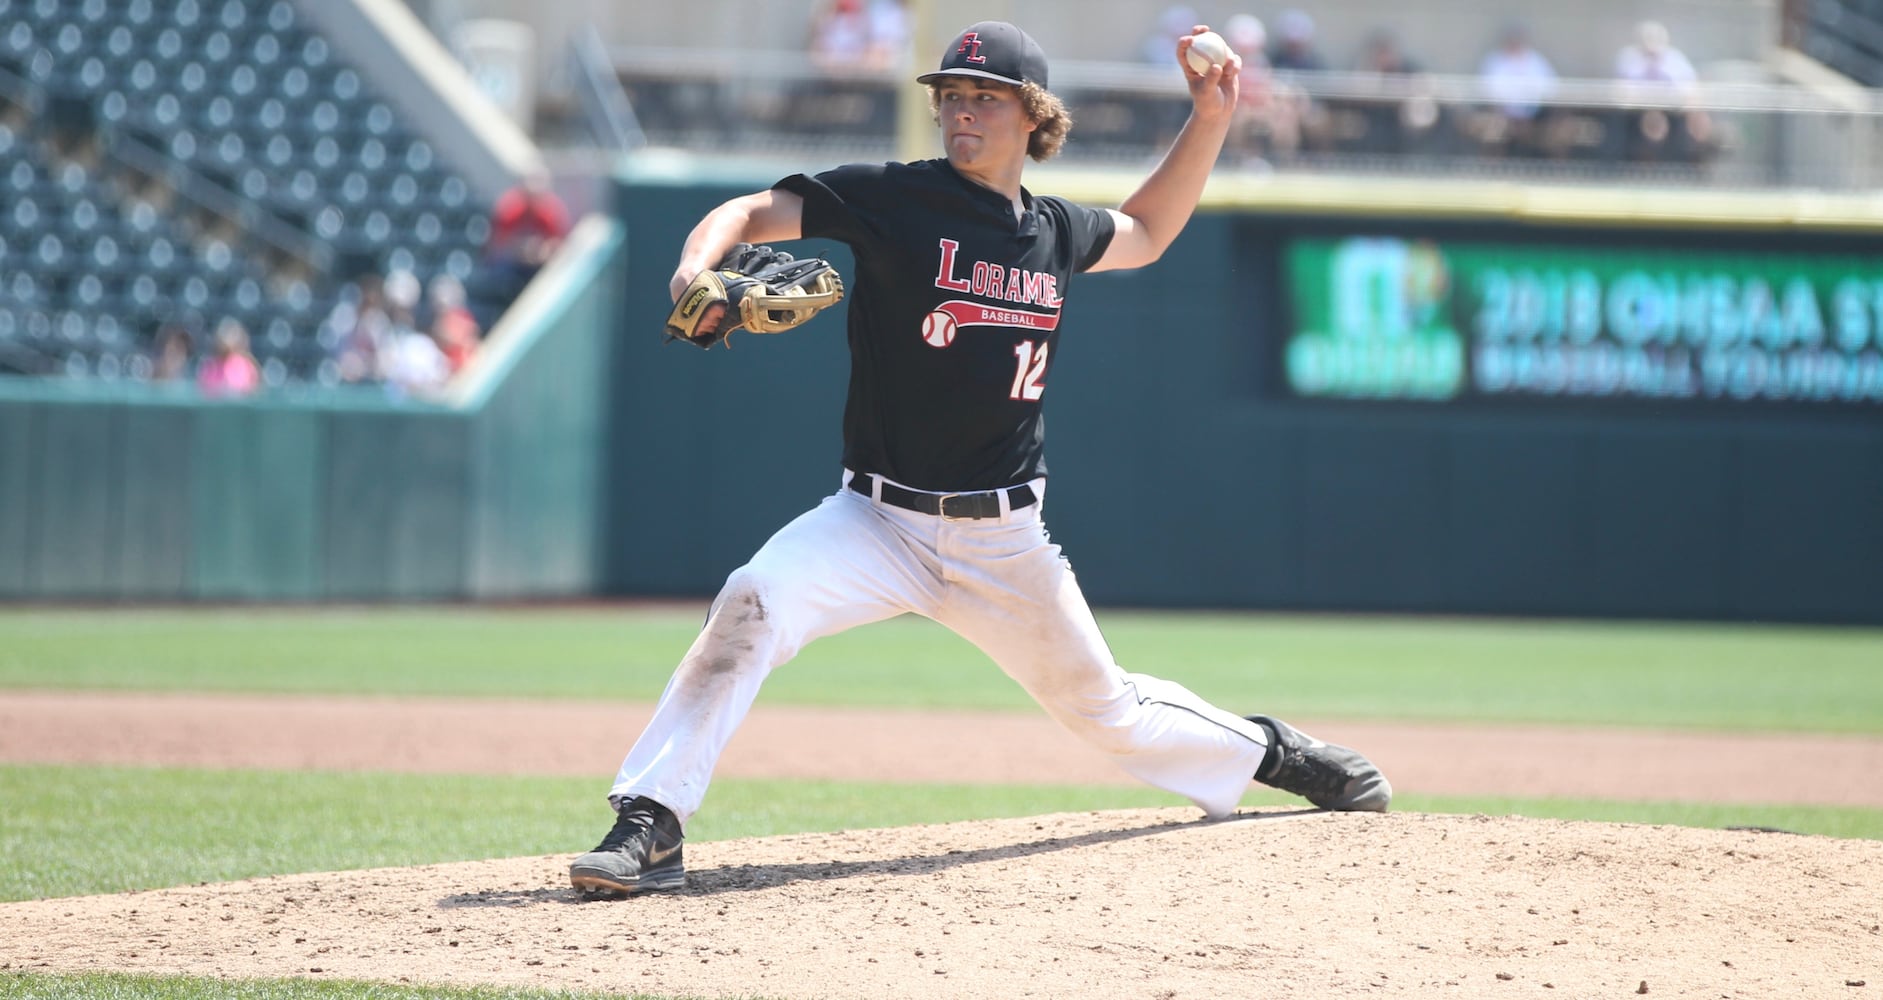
(1029, 376)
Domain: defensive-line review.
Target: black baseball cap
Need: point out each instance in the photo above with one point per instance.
(992, 50)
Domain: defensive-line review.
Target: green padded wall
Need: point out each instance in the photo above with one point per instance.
(133, 492)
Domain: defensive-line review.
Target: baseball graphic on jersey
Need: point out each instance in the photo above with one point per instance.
(938, 328)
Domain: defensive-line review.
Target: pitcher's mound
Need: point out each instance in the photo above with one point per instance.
(1143, 903)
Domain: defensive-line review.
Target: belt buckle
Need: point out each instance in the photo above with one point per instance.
(941, 507)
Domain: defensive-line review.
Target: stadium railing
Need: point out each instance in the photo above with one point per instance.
(1716, 133)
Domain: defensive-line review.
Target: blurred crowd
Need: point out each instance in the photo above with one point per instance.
(380, 331)
(1516, 117)
(1368, 100)
(859, 36)
(388, 329)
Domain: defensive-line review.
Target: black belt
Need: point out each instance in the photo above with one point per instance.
(953, 506)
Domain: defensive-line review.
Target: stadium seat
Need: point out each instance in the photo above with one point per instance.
(120, 45)
(48, 253)
(105, 254)
(192, 78)
(139, 13)
(265, 51)
(217, 48)
(315, 52)
(68, 41)
(326, 154)
(379, 121)
(22, 181)
(114, 107)
(186, 14)
(23, 288)
(20, 39)
(243, 81)
(271, 115)
(90, 291)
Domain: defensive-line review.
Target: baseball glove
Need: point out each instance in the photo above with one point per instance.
(762, 290)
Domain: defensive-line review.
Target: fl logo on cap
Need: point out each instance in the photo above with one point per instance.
(971, 44)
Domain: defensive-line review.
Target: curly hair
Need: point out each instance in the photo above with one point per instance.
(1043, 107)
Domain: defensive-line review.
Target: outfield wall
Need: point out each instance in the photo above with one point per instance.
(1185, 472)
(1192, 465)
(131, 492)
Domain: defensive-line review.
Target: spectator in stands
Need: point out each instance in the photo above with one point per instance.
(230, 370)
(841, 40)
(1652, 58)
(1246, 34)
(854, 43)
(414, 364)
(1517, 79)
(401, 289)
(526, 226)
(1294, 50)
(453, 328)
(889, 32)
(527, 223)
(529, 220)
(1266, 127)
(171, 362)
(357, 328)
(1249, 135)
(1654, 70)
(1158, 121)
(1382, 56)
(1406, 116)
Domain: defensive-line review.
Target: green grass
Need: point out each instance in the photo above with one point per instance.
(175, 827)
(164, 827)
(1631, 674)
(114, 986)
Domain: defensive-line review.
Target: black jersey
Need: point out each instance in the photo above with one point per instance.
(954, 317)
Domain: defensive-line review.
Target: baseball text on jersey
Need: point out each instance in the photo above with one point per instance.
(975, 314)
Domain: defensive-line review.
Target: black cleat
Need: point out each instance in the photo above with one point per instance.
(1328, 775)
(641, 853)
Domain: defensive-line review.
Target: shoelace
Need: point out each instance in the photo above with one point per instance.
(629, 824)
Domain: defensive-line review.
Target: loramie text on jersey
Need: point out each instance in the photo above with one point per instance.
(997, 282)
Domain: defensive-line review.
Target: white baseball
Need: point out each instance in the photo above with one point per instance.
(1206, 50)
(938, 328)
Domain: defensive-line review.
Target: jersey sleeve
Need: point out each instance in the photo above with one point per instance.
(1088, 231)
(841, 204)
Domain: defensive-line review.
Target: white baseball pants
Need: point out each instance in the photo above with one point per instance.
(999, 582)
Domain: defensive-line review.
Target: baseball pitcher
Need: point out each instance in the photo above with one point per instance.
(954, 328)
